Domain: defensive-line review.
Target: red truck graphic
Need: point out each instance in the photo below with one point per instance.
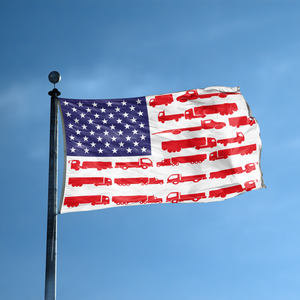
(161, 100)
(197, 143)
(176, 178)
(202, 111)
(193, 94)
(143, 163)
(175, 197)
(138, 180)
(249, 185)
(205, 124)
(93, 200)
(96, 181)
(162, 117)
(175, 161)
(99, 165)
(142, 199)
(241, 121)
(224, 173)
(223, 154)
(238, 139)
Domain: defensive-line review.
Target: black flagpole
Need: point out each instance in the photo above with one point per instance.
(50, 279)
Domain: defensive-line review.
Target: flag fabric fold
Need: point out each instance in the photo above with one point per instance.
(200, 145)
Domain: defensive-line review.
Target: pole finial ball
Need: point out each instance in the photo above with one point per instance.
(54, 77)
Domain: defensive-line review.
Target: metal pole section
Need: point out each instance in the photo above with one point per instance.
(50, 280)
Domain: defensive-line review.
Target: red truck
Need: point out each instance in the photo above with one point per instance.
(142, 199)
(249, 185)
(143, 163)
(138, 180)
(241, 121)
(175, 161)
(161, 100)
(162, 117)
(223, 154)
(96, 181)
(193, 94)
(99, 165)
(93, 200)
(176, 178)
(202, 111)
(238, 139)
(175, 197)
(224, 173)
(197, 143)
(205, 124)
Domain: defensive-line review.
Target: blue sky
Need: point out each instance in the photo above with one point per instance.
(246, 247)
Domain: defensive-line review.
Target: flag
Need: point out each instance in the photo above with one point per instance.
(200, 145)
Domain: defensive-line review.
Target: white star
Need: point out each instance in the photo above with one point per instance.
(106, 132)
(74, 109)
(114, 150)
(94, 104)
(140, 113)
(92, 132)
(132, 108)
(143, 149)
(72, 149)
(100, 150)
(86, 150)
(143, 137)
(119, 121)
(128, 150)
(124, 102)
(112, 127)
(78, 132)
(93, 144)
(128, 138)
(117, 109)
(125, 115)
(113, 139)
(103, 110)
(99, 139)
(88, 110)
(98, 127)
(121, 144)
(85, 138)
(120, 132)
(127, 126)
(70, 125)
(76, 120)
(138, 101)
(82, 115)
(79, 144)
(109, 104)
(133, 120)
(134, 131)
(96, 116)
(107, 144)
(104, 121)
(68, 114)
(66, 103)
(142, 125)
(72, 137)
(84, 127)
(90, 121)
(136, 144)
(111, 115)
(80, 104)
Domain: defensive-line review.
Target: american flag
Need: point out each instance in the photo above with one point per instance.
(200, 145)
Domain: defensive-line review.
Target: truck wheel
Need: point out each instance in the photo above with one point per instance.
(174, 201)
(175, 182)
(124, 168)
(144, 167)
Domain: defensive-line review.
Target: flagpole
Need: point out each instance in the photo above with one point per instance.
(50, 277)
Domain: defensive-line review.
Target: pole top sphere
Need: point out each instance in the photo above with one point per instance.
(54, 77)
